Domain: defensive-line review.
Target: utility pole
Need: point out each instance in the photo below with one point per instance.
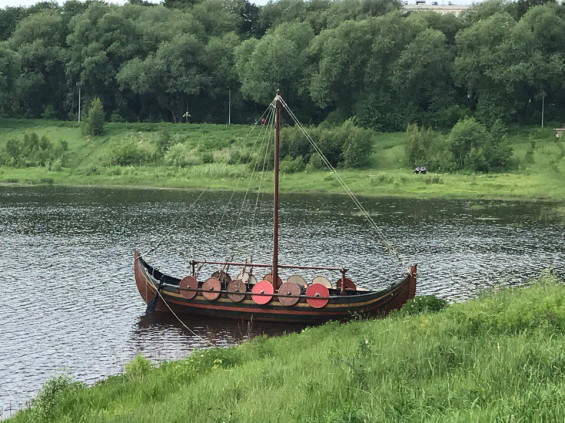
(542, 107)
(78, 83)
(229, 107)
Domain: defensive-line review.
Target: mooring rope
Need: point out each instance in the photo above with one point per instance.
(177, 317)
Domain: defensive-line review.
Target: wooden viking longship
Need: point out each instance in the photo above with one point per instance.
(270, 299)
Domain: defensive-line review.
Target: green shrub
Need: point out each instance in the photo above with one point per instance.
(182, 155)
(289, 165)
(331, 145)
(133, 152)
(316, 162)
(94, 122)
(357, 145)
(49, 113)
(475, 148)
(294, 143)
(425, 147)
(207, 157)
(417, 145)
(138, 367)
(116, 117)
(164, 141)
(50, 396)
(423, 304)
(469, 145)
(347, 145)
(32, 151)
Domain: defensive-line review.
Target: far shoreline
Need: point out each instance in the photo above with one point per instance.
(399, 194)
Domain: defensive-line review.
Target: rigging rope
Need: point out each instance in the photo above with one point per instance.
(226, 207)
(164, 236)
(266, 145)
(256, 209)
(350, 193)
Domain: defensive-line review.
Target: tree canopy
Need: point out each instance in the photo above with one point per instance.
(333, 60)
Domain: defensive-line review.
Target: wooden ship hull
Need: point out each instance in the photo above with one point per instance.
(245, 298)
(165, 293)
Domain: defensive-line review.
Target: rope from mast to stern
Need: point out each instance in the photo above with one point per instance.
(391, 249)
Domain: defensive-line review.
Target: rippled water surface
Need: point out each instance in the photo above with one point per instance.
(66, 264)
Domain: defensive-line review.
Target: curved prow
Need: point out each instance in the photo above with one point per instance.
(412, 282)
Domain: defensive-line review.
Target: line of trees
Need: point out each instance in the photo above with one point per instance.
(331, 59)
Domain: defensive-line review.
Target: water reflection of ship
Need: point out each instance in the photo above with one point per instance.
(162, 333)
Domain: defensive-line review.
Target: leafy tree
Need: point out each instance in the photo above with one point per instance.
(474, 147)
(9, 67)
(39, 40)
(172, 75)
(520, 7)
(421, 76)
(331, 59)
(357, 145)
(534, 71)
(341, 56)
(179, 4)
(417, 145)
(480, 64)
(217, 17)
(276, 61)
(9, 19)
(219, 59)
(94, 122)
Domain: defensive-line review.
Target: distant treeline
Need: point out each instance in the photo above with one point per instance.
(181, 60)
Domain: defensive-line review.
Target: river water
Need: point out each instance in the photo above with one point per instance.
(70, 303)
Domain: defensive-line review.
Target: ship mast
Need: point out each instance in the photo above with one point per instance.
(275, 271)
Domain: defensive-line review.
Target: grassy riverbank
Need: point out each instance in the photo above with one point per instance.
(497, 358)
(212, 160)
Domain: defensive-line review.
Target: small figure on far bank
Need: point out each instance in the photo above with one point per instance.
(417, 170)
(423, 170)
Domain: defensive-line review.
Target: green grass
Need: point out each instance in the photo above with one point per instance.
(537, 173)
(498, 358)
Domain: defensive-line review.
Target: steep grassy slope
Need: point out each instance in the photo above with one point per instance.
(497, 358)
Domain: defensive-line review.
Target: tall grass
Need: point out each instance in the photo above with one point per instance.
(497, 358)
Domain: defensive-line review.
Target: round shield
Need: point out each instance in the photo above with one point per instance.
(236, 290)
(188, 286)
(317, 295)
(222, 276)
(268, 277)
(252, 280)
(265, 290)
(297, 279)
(288, 293)
(211, 289)
(243, 276)
(349, 285)
(322, 280)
